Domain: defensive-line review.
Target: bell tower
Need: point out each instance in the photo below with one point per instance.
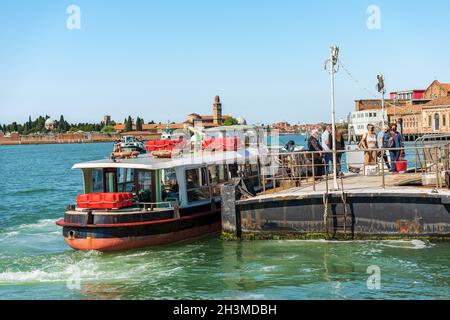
(217, 111)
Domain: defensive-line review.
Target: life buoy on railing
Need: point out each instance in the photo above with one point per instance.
(162, 154)
(129, 154)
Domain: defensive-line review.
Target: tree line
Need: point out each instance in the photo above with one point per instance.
(61, 125)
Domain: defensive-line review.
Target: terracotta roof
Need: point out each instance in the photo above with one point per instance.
(443, 101)
(404, 110)
(446, 86)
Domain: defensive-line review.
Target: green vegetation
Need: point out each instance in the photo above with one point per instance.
(61, 125)
(230, 122)
(108, 129)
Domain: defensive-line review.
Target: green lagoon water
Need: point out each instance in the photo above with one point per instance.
(35, 263)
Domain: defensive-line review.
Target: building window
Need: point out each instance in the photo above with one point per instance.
(436, 121)
(444, 120)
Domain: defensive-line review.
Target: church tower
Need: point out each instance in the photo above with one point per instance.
(217, 111)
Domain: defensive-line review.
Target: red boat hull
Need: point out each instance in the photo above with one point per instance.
(116, 244)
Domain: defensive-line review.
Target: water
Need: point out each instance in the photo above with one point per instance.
(35, 263)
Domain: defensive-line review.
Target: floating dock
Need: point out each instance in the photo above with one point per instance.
(363, 208)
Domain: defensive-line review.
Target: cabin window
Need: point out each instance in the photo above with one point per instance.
(169, 188)
(233, 170)
(217, 175)
(145, 186)
(197, 185)
(125, 178)
(110, 180)
(97, 180)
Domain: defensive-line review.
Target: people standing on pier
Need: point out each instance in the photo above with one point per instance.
(315, 146)
(383, 139)
(327, 146)
(369, 144)
(395, 142)
(340, 146)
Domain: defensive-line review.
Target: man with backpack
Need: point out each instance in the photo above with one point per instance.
(394, 141)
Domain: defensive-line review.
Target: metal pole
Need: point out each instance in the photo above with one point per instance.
(333, 117)
(382, 108)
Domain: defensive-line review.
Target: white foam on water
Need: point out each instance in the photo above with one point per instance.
(409, 244)
(40, 224)
(268, 268)
(406, 244)
(88, 266)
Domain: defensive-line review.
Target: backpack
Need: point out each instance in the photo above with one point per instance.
(386, 137)
(391, 141)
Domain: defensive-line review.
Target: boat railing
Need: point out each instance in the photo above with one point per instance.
(306, 168)
(155, 206)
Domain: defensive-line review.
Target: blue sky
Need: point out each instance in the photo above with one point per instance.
(164, 59)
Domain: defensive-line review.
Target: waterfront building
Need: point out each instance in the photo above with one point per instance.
(437, 90)
(208, 121)
(49, 125)
(193, 119)
(418, 111)
(408, 95)
(435, 116)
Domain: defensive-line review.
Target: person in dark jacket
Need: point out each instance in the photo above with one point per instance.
(340, 146)
(395, 141)
(314, 146)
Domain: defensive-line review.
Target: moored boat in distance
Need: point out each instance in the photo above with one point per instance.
(150, 200)
(128, 147)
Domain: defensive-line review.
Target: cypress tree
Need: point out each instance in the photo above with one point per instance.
(138, 124)
(129, 124)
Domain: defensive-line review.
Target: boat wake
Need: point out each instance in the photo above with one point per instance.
(43, 226)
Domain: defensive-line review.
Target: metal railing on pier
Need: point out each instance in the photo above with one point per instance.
(308, 168)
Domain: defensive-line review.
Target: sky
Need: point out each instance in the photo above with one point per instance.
(164, 59)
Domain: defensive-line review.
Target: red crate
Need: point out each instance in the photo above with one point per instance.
(112, 200)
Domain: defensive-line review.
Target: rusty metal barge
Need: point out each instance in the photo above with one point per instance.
(380, 205)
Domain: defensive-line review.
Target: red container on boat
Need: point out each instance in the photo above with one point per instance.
(164, 144)
(222, 144)
(401, 165)
(112, 200)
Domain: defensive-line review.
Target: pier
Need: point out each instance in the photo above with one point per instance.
(414, 204)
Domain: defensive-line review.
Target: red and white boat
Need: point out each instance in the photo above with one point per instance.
(151, 200)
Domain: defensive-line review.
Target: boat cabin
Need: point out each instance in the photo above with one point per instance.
(187, 181)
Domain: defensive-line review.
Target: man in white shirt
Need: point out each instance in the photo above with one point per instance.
(327, 145)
